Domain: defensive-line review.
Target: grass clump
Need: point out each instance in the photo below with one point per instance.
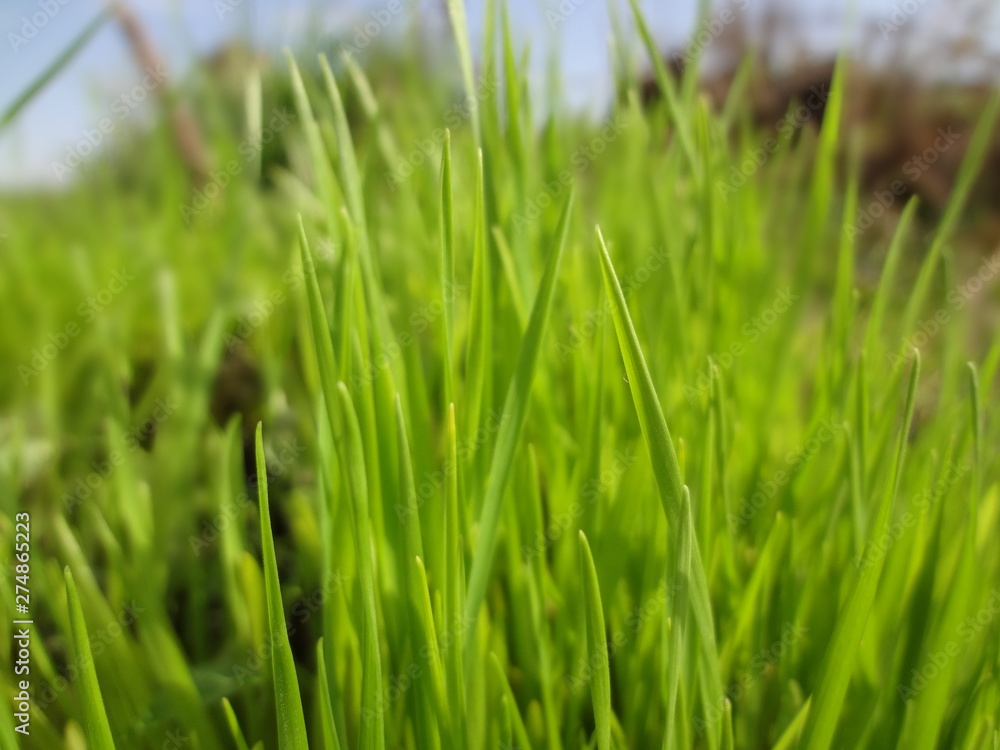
(679, 483)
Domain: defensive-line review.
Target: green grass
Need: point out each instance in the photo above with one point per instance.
(681, 482)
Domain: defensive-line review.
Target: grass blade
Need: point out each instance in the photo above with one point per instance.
(460, 27)
(96, 724)
(888, 275)
(667, 88)
(666, 468)
(430, 647)
(971, 165)
(291, 720)
(514, 414)
(372, 733)
(840, 659)
(322, 342)
(597, 646)
(234, 725)
(454, 562)
(680, 575)
(320, 160)
(447, 266)
(929, 705)
(331, 740)
(520, 731)
(54, 67)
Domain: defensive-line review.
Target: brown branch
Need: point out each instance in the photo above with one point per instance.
(187, 136)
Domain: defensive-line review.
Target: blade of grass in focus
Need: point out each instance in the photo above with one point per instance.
(678, 602)
(447, 229)
(372, 733)
(291, 720)
(839, 661)
(666, 468)
(597, 646)
(455, 629)
(331, 739)
(98, 729)
(234, 726)
(514, 414)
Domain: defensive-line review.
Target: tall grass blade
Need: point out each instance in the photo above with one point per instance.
(840, 659)
(666, 468)
(447, 229)
(372, 732)
(331, 739)
(460, 28)
(234, 726)
(597, 646)
(514, 414)
(291, 719)
(678, 601)
(96, 724)
(53, 69)
(666, 84)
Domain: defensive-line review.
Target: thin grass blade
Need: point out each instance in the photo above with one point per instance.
(841, 654)
(291, 719)
(95, 716)
(514, 414)
(597, 646)
(666, 468)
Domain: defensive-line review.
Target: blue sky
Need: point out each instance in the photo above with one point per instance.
(85, 92)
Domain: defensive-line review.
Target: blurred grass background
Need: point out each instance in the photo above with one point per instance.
(152, 295)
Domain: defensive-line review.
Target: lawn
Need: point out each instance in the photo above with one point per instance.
(462, 420)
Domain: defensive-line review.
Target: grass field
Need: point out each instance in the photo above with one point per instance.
(477, 424)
